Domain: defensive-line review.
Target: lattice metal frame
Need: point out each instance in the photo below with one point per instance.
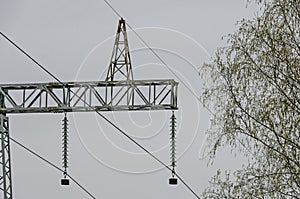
(5, 162)
(119, 92)
(120, 65)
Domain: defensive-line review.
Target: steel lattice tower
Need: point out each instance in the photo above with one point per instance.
(119, 92)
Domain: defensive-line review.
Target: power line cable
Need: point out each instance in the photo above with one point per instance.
(111, 7)
(105, 118)
(32, 59)
(51, 164)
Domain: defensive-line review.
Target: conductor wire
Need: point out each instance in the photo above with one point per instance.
(51, 164)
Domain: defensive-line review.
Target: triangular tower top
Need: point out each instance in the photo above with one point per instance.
(120, 64)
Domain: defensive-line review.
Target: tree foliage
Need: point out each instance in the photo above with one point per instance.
(254, 93)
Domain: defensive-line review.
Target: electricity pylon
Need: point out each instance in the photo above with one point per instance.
(119, 92)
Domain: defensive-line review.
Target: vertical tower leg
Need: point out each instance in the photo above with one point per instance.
(5, 164)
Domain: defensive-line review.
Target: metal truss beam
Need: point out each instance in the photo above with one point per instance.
(5, 164)
(89, 96)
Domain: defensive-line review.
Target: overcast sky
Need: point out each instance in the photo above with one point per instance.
(74, 40)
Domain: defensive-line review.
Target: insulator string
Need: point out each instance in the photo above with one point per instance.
(65, 145)
(173, 143)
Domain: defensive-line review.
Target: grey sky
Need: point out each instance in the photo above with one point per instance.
(73, 40)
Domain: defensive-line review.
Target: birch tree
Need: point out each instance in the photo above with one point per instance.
(253, 91)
